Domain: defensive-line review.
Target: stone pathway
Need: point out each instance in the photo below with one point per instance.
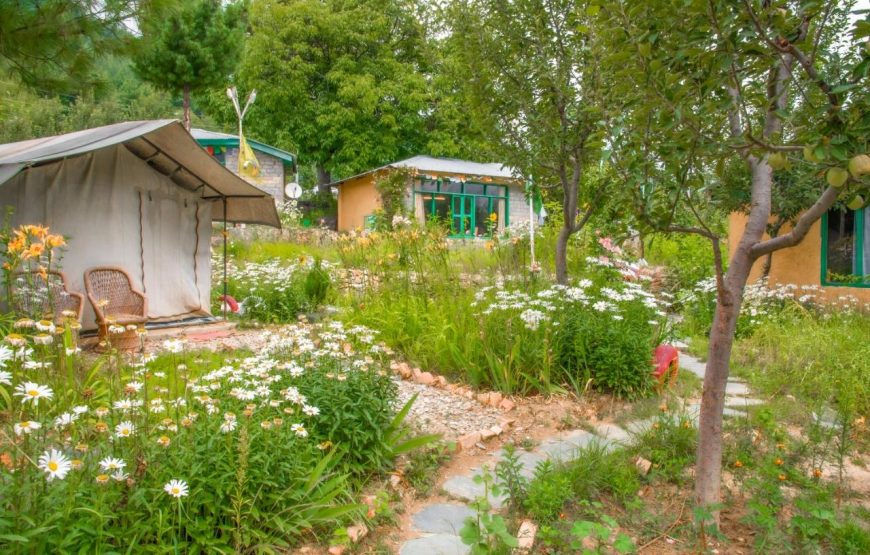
(438, 524)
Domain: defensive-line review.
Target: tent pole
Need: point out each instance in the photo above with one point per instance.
(225, 260)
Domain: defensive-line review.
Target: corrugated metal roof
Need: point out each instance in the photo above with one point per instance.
(425, 163)
(211, 138)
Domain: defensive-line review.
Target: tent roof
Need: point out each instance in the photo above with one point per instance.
(445, 165)
(214, 138)
(168, 149)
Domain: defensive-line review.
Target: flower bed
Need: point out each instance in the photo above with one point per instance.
(186, 450)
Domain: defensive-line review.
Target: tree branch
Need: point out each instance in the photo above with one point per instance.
(800, 229)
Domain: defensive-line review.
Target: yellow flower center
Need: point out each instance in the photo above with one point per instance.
(176, 491)
(52, 465)
(33, 392)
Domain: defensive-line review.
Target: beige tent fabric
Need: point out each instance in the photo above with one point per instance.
(167, 148)
(117, 211)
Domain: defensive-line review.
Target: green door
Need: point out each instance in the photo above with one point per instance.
(463, 215)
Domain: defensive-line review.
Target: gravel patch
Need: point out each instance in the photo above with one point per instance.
(438, 411)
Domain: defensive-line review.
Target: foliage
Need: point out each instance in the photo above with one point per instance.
(548, 492)
(509, 476)
(264, 446)
(421, 470)
(487, 534)
(116, 94)
(189, 46)
(275, 292)
(536, 84)
(338, 81)
(687, 259)
(819, 355)
(34, 51)
(392, 188)
(669, 443)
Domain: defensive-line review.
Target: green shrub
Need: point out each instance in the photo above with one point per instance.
(548, 492)
(316, 284)
(670, 443)
(687, 259)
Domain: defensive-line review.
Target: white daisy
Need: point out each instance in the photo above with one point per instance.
(55, 464)
(64, 420)
(5, 377)
(26, 427)
(31, 391)
(176, 488)
(228, 426)
(310, 411)
(125, 429)
(6, 354)
(111, 464)
(299, 430)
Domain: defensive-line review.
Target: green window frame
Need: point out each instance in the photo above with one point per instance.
(860, 262)
(462, 204)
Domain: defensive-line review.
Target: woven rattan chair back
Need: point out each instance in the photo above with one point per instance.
(45, 295)
(111, 293)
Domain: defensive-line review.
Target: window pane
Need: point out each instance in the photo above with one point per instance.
(496, 190)
(441, 208)
(451, 186)
(481, 216)
(427, 185)
(841, 244)
(474, 188)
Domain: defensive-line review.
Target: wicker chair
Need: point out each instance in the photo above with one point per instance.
(110, 291)
(45, 296)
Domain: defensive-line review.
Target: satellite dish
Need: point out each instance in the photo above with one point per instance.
(293, 190)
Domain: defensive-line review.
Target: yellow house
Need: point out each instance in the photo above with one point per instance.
(471, 197)
(834, 256)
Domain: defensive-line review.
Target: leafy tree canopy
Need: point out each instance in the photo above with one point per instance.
(190, 45)
(339, 81)
(52, 44)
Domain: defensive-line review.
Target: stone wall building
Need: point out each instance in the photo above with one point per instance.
(277, 166)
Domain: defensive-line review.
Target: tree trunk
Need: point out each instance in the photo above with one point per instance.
(768, 259)
(185, 102)
(730, 289)
(562, 255)
(324, 178)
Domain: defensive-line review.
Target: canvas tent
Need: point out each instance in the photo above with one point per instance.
(141, 195)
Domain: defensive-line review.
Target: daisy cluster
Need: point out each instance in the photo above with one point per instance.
(534, 309)
(266, 278)
(763, 300)
(103, 438)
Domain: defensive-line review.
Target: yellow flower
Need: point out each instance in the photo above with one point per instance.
(54, 241)
(493, 217)
(781, 477)
(738, 464)
(102, 478)
(164, 441)
(778, 462)
(817, 472)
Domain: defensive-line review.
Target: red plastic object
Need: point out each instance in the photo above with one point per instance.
(231, 303)
(667, 361)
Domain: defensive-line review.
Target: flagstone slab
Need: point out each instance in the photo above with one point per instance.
(742, 402)
(564, 448)
(693, 365)
(736, 388)
(464, 487)
(612, 432)
(442, 518)
(437, 544)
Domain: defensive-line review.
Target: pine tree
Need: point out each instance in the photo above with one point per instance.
(193, 45)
